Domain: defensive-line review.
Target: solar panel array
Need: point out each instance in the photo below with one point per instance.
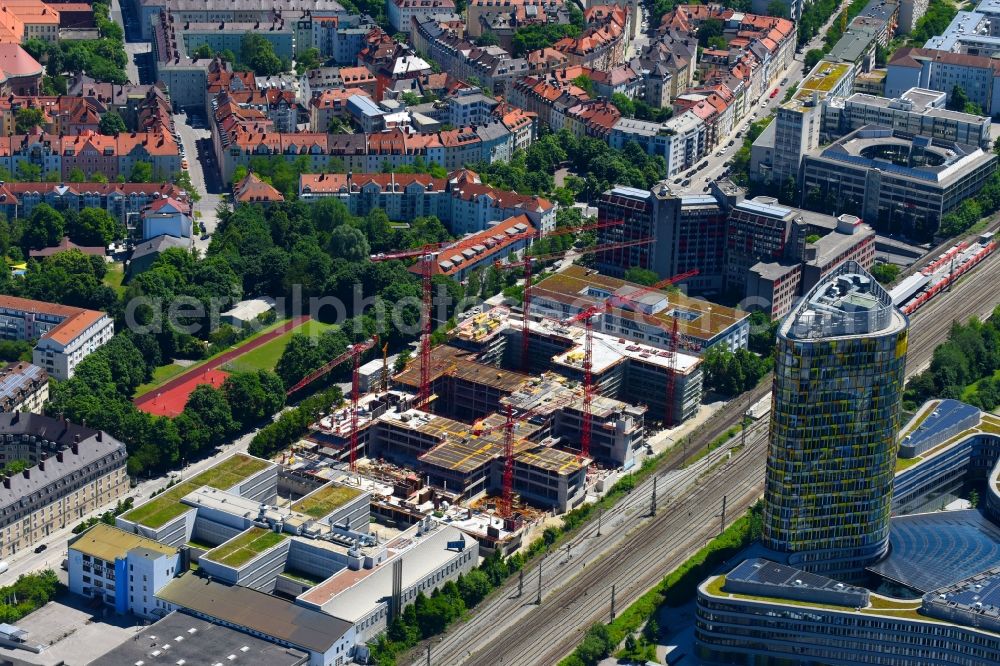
(12, 382)
(935, 550)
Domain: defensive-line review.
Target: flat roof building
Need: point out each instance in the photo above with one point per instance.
(897, 182)
(201, 642)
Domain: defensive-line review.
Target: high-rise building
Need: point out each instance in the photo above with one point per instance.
(837, 391)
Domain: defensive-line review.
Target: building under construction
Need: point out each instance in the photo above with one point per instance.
(622, 369)
(648, 318)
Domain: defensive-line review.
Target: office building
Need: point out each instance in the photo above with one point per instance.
(687, 232)
(73, 470)
(23, 388)
(122, 570)
(898, 183)
(916, 111)
(66, 335)
(775, 253)
(838, 388)
(776, 155)
(764, 612)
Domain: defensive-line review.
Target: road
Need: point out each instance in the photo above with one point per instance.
(197, 142)
(507, 630)
(717, 163)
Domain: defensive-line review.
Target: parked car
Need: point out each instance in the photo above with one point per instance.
(784, 81)
(677, 181)
(41, 548)
(184, 164)
(687, 181)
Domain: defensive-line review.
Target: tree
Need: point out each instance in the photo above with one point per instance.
(642, 276)
(45, 228)
(203, 51)
(76, 175)
(347, 242)
(94, 227)
(623, 104)
(488, 38)
(708, 29)
(253, 396)
(111, 123)
(586, 83)
(28, 118)
(812, 57)
(777, 8)
(886, 274)
(257, 53)
(142, 172)
(208, 408)
(958, 99)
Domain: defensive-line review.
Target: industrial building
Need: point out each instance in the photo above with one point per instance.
(73, 470)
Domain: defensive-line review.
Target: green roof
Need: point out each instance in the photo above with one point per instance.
(825, 77)
(242, 548)
(165, 507)
(328, 498)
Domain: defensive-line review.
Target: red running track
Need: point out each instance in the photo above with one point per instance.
(169, 399)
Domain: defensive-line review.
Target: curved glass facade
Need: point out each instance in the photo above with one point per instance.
(837, 392)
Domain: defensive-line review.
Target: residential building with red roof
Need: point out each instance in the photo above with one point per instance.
(167, 217)
(462, 203)
(594, 118)
(480, 11)
(124, 201)
(253, 190)
(66, 335)
(480, 250)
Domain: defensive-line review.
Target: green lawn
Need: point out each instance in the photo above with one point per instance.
(325, 500)
(167, 505)
(241, 549)
(115, 276)
(161, 375)
(267, 355)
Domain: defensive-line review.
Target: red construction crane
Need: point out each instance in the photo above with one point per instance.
(587, 317)
(506, 504)
(353, 352)
(526, 263)
(426, 255)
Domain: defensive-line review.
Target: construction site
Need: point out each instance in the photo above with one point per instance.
(513, 416)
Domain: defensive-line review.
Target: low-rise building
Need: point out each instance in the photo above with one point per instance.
(120, 569)
(65, 335)
(23, 388)
(73, 471)
(479, 251)
(167, 216)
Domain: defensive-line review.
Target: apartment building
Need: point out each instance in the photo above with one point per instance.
(480, 10)
(460, 201)
(23, 388)
(21, 20)
(73, 471)
(978, 75)
(66, 335)
(403, 13)
(124, 201)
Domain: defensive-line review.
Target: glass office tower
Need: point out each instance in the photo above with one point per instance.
(838, 387)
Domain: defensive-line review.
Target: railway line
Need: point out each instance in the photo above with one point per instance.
(576, 582)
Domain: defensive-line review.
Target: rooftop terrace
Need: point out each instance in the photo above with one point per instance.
(110, 543)
(165, 507)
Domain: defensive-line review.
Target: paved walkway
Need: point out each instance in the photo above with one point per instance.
(220, 360)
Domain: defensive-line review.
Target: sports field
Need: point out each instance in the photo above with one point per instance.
(169, 398)
(267, 355)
